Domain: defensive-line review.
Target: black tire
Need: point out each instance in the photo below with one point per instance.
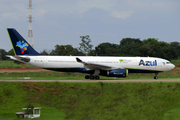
(87, 77)
(155, 77)
(97, 77)
(91, 77)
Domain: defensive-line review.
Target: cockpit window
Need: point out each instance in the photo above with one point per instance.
(168, 63)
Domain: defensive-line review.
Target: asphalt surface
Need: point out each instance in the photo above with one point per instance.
(113, 80)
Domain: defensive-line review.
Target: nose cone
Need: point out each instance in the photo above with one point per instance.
(169, 67)
(173, 66)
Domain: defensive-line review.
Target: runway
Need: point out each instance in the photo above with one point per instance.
(112, 80)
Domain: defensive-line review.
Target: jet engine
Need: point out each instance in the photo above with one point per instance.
(117, 73)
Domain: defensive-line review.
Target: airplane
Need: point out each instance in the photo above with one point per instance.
(93, 66)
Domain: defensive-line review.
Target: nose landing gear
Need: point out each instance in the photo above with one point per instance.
(156, 77)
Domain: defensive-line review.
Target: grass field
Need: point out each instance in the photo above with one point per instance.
(57, 75)
(92, 101)
(11, 64)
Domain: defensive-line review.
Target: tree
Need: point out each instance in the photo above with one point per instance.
(65, 50)
(107, 49)
(3, 54)
(92, 53)
(10, 52)
(176, 46)
(150, 47)
(85, 45)
(130, 47)
(154, 48)
(45, 52)
(62, 50)
(77, 52)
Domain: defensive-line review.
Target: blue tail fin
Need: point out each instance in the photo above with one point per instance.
(19, 44)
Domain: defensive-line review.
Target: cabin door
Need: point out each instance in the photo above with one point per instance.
(159, 64)
(135, 63)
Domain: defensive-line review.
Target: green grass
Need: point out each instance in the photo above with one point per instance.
(57, 75)
(176, 62)
(92, 101)
(173, 113)
(13, 98)
(48, 113)
(11, 64)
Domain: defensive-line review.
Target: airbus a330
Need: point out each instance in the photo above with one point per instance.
(93, 66)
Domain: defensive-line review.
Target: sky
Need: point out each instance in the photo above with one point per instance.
(64, 21)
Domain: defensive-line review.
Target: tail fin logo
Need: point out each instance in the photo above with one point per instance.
(23, 46)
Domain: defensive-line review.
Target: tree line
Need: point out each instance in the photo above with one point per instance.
(127, 47)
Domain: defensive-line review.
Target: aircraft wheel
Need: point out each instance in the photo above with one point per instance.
(91, 77)
(97, 77)
(155, 77)
(87, 77)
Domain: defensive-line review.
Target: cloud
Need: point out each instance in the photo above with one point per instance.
(138, 3)
(5, 16)
(40, 13)
(122, 14)
(152, 4)
(119, 9)
(99, 18)
(77, 8)
(12, 10)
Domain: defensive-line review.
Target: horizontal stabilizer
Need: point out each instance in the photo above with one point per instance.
(18, 58)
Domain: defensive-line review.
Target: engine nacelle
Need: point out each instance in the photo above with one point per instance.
(117, 73)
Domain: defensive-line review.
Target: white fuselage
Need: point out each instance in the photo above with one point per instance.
(133, 63)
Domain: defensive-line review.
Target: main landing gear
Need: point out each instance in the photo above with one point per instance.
(92, 77)
(95, 76)
(156, 77)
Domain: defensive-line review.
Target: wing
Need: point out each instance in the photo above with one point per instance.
(93, 66)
